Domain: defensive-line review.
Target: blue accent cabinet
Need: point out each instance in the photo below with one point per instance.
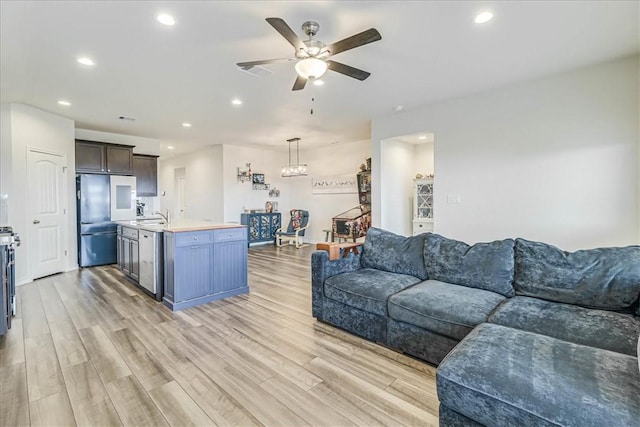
(261, 227)
(203, 266)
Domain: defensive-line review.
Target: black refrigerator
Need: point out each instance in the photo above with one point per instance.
(97, 234)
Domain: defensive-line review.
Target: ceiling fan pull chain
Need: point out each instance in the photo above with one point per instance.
(312, 100)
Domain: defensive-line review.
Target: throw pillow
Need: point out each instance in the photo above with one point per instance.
(391, 252)
(487, 266)
(604, 278)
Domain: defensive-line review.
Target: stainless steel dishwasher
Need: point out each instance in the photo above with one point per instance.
(151, 262)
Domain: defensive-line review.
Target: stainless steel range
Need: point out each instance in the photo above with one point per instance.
(8, 243)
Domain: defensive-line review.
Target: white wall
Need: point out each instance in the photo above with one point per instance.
(336, 159)
(33, 128)
(423, 158)
(554, 160)
(6, 179)
(203, 184)
(241, 195)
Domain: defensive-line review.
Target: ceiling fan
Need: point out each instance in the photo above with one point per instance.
(311, 56)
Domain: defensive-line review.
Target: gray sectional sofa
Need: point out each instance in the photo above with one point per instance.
(524, 333)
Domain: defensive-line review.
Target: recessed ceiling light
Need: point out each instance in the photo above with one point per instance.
(236, 101)
(318, 82)
(65, 103)
(170, 147)
(86, 61)
(398, 108)
(165, 19)
(483, 17)
(422, 137)
(187, 125)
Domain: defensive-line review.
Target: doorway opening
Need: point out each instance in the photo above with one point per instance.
(180, 205)
(403, 160)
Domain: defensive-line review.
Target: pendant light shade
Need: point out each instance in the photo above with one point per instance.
(297, 169)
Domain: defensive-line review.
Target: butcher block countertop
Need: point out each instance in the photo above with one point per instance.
(196, 225)
(179, 225)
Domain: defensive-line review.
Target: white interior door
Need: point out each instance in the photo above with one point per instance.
(47, 212)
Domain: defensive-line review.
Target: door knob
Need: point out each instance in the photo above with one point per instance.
(36, 221)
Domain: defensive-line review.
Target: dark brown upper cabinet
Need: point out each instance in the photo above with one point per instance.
(145, 169)
(98, 157)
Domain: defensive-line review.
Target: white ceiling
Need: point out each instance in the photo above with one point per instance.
(163, 76)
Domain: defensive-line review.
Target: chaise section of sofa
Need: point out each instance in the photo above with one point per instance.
(501, 376)
(562, 352)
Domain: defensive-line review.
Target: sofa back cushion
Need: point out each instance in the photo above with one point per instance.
(487, 266)
(605, 278)
(387, 251)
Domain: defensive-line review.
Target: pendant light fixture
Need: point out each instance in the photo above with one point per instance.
(297, 169)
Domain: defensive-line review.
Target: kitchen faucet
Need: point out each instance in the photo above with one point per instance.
(166, 218)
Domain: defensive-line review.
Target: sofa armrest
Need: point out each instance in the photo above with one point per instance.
(322, 269)
(339, 250)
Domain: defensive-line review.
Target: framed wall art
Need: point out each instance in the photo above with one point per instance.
(337, 184)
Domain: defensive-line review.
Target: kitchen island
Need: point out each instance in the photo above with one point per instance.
(191, 262)
(203, 262)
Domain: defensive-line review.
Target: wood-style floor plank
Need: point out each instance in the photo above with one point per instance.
(133, 404)
(53, 410)
(177, 407)
(89, 400)
(44, 377)
(107, 360)
(14, 399)
(88, 347)
(12, 345)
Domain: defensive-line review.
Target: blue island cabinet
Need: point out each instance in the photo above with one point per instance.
(203, 266)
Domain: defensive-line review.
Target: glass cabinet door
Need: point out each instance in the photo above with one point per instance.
(424, 200)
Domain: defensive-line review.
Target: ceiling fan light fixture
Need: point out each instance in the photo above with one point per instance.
(311, 68)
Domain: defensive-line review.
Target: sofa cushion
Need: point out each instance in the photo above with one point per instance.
(444, 308)
(502, 376)
(606, 278)
(391, 252)
(367, 288)
(487, 266)
(608, 330)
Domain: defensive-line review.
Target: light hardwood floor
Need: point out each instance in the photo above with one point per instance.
(88, 348)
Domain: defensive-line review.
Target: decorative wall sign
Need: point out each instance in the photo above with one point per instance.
(340, 184)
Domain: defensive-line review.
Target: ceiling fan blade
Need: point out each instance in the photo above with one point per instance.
(348, 70)
(369, 36)
(247, 65)
(286, 32)
(300, 83)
